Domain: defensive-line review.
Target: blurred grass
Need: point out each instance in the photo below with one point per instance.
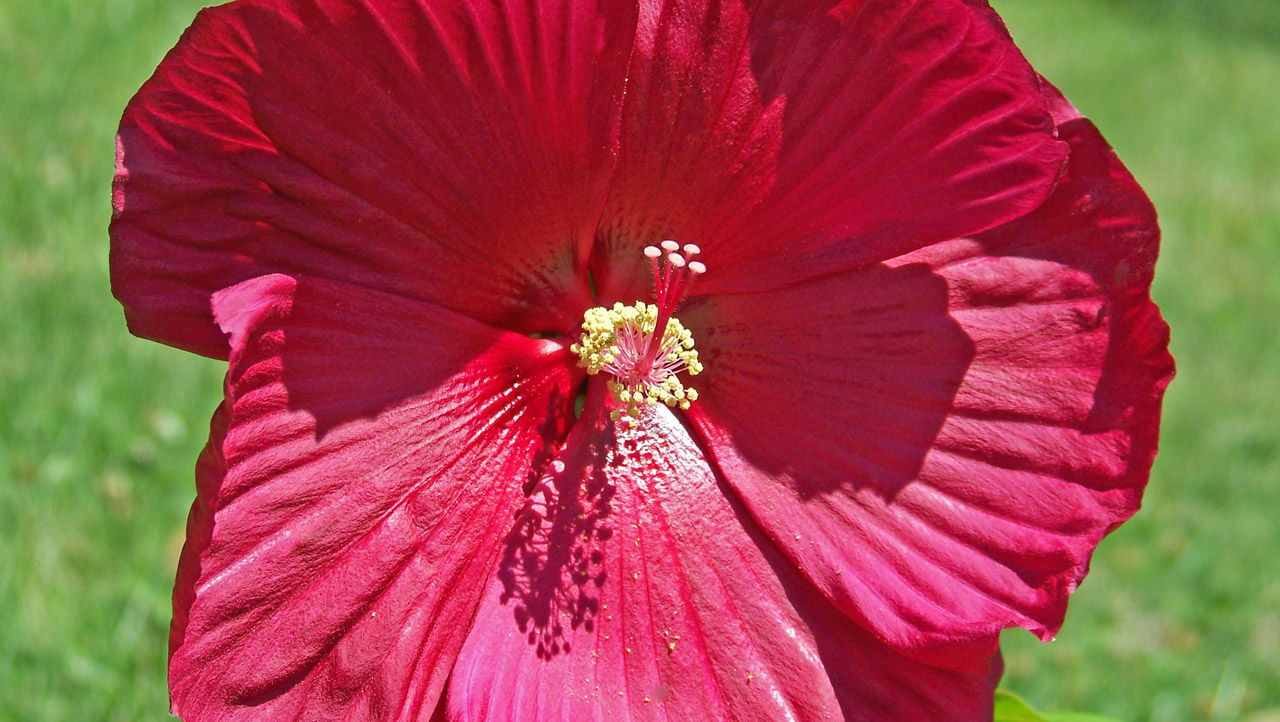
(1180, 619)
(98, 432)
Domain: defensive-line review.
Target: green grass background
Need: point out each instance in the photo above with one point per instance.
(1180, 619)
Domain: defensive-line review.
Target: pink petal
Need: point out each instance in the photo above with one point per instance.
(940, 443)
(634, 589)
(457, 154)
(361, 475)
(791, 140)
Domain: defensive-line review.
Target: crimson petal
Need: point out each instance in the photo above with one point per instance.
(634, 589)
(362, 472)
(941, 442)
(791, 140)
(454, 154)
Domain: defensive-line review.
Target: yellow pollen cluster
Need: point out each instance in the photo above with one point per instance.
(617, 340)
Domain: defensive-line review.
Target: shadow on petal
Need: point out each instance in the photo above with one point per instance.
(553, 563)
(362, 473)
(839, 383)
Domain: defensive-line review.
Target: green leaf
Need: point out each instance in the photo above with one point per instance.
(1011, 708)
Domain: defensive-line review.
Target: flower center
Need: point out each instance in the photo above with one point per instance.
(642, 346)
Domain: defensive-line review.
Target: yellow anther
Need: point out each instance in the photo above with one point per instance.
(617, 340)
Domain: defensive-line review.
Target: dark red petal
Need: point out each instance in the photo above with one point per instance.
(634, 589)
(454, 154)
(939, 444)
(362, 473)
(791, 140)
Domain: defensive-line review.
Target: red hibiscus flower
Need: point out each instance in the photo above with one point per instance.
(930, 371)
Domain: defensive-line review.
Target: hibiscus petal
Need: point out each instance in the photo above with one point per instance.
(941, 451)
(362, 473)
(634, 588)
(454, 154)
(791, 140)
